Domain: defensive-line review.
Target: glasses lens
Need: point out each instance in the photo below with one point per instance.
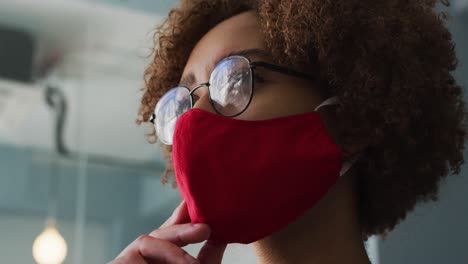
(231, 85)
(172, 105)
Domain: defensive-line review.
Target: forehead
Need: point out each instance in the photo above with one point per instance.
(236, 33)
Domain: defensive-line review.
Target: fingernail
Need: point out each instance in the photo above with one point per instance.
(197, 225)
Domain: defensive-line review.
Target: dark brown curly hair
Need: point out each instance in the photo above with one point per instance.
(390, 63)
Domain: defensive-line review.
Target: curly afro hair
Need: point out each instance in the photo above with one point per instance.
(389, 62)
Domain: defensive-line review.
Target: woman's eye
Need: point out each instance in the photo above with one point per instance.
(237, 78)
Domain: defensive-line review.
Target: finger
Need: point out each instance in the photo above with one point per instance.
(211, 253)
(154, 249)
(136, 259)
(179, 216)
(183, 234)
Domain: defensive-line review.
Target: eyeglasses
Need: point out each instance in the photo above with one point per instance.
(230, 90)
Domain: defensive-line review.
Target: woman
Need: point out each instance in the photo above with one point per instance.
(302, 127)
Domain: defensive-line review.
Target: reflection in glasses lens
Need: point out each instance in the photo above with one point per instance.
(230, 90)
(172, 105)
(231, 86)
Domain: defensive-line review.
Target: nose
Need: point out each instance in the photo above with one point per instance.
(201, 99)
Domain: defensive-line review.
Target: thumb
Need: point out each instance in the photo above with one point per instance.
(211, 253)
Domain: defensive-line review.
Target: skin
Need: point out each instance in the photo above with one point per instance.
(328, 233)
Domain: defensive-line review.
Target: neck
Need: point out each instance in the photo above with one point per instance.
(328, 233)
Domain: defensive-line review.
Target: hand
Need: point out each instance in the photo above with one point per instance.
(163, 245)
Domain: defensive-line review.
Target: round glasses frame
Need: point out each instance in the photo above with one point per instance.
(252, 66)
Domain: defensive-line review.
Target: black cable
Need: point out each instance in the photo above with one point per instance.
(57, 101)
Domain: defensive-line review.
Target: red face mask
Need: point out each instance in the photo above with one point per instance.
(249, 179)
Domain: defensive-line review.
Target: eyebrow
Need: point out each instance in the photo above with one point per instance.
(189, 79)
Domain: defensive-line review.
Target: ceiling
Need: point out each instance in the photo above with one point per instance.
(104, 47)
(146, 6)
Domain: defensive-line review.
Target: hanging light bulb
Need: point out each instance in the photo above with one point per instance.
(49, 247)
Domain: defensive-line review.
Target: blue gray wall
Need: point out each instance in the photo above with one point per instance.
(437, 232)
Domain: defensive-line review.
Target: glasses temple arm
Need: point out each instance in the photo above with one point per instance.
(281, 69)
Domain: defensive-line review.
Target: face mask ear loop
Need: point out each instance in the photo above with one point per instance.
(347, 165)
(330, 101)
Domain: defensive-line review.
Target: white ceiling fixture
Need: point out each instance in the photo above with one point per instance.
(17, 100)
(103, 51)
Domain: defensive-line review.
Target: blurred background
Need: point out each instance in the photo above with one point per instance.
(78, 181)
